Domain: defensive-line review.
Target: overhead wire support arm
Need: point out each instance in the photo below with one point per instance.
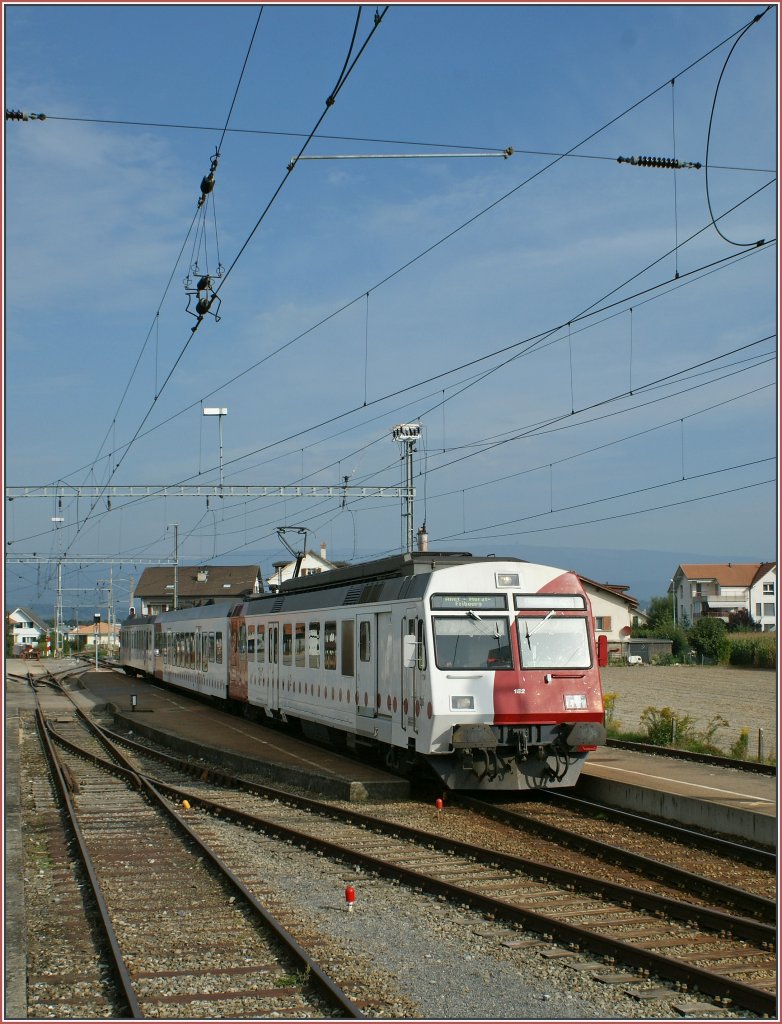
(504, 153)
(207, 490)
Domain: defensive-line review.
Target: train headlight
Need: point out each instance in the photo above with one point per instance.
(462, 703)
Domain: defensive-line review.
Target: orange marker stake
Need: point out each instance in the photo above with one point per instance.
(350, 897)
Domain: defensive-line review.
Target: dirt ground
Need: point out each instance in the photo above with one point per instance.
(746, 698)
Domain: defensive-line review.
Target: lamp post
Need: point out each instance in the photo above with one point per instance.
(219, 413)
(96, 619)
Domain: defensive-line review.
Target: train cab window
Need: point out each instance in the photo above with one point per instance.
(348, 656)
(330, 645)
(219, 648)
(313, 645)
(287, 643)
(472, 641)
(364, 641)
(300, 644)
(260, 644)
(553, 642)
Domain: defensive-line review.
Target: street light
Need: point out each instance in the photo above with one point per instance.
(219, 413)
(96, 619)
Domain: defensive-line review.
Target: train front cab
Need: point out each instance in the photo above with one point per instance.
(517, 695)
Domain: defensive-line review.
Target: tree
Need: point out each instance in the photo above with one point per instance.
(709, 637)
(661, 610)
(741, 621)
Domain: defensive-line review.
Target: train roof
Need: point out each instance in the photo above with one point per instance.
(413, 563)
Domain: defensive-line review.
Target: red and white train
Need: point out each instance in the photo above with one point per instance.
(484, 669)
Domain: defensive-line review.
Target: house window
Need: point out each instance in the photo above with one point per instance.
(758, 610)
(603, 622)
(768, 588)
(769, 610)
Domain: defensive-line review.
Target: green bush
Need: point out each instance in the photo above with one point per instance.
(709, 637)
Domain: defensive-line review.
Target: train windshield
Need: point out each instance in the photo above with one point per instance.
(472, 641)
(553, 642)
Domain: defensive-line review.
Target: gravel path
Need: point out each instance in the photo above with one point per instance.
(746, 698)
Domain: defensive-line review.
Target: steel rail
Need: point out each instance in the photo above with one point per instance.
(125, 770)
(671, 968)
(763, 907)
(748, 902)
(117, 962)
(718, 760)
(717, 844)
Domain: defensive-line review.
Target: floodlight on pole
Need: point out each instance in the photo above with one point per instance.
(219, 412)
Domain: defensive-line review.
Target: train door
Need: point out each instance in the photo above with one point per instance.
(237, 657)
(273, 663)
(409, 673)
(373, 679)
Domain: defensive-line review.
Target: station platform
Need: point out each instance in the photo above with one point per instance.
(726, 800)
(188, 726)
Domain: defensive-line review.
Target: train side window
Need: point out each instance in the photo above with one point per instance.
(300, 646)
(204, 652)
(287, 643)
(421, 646)
(211, 647)
(364, 641)
(219, 647)
(260, 645)
(243, 640)
(314, 645)
(348, 650)
(251, 643)
(330, 645)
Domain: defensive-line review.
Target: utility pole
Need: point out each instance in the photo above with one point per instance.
(407, 434)
(176, 564)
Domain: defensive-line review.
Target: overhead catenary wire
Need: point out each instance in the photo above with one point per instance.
(455, 231)
(367, 293)
(343, 78)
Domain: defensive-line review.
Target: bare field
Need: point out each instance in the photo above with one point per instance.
(746, 698)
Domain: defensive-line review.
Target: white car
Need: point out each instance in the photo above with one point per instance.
(634, 659)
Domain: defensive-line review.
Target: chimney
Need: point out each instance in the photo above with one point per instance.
(323, 550)
(423, 538)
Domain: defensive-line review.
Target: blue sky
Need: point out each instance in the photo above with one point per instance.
(362, 293)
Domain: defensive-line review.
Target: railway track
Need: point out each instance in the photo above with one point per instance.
(186, 935)
(723, 954)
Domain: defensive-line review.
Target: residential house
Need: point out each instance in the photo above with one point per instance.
(614, 613)
(310, 564)
(719, 590)
(195, 585)
(26, 627)
(84, 636)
